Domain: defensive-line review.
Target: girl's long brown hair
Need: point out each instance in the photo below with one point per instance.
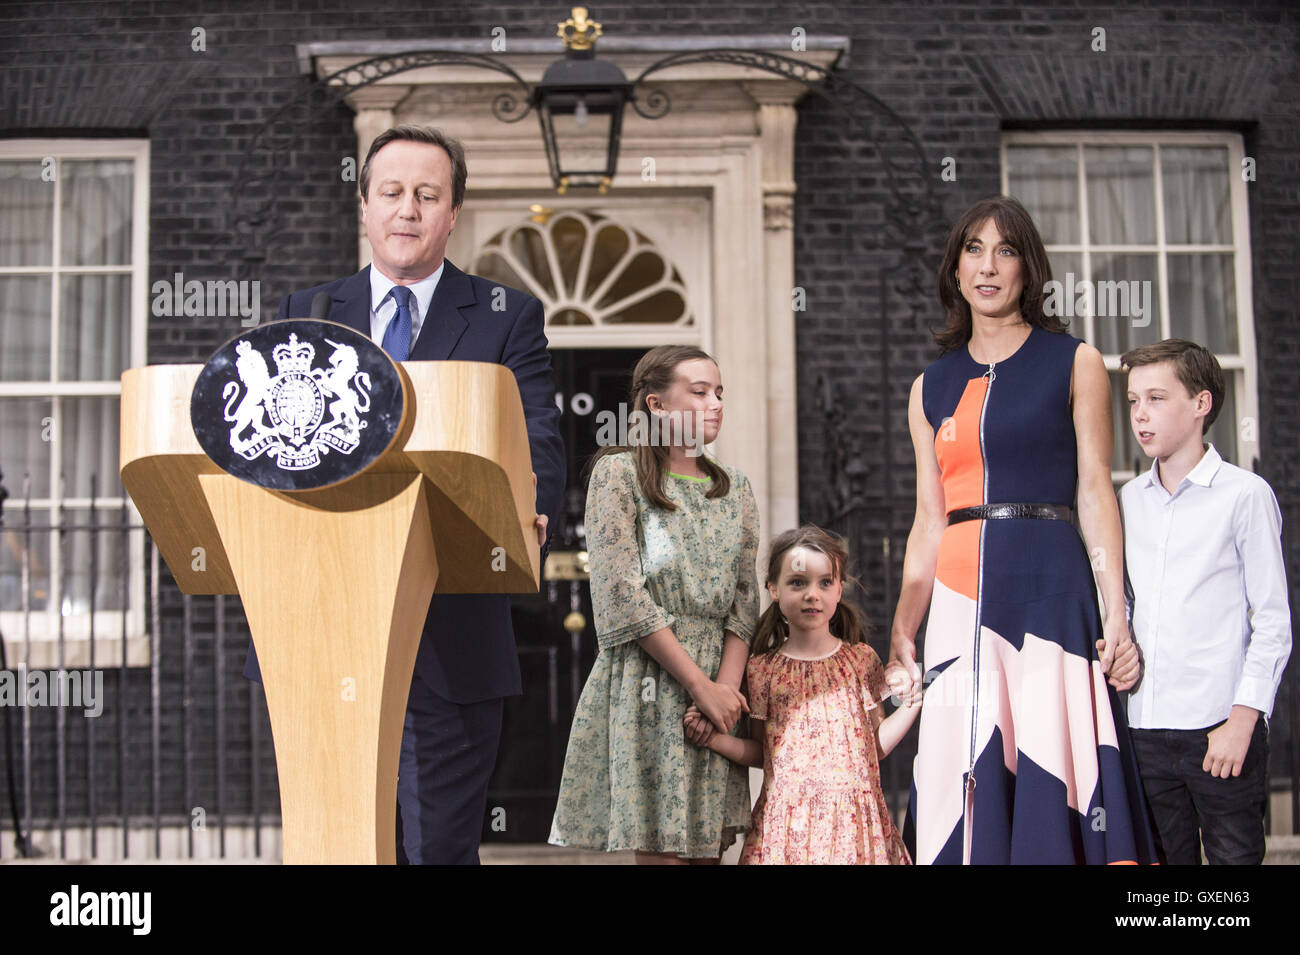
(655, 374)
(849, 622)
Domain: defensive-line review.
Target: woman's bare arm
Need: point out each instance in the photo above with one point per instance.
(1098, 510)
(922, 554)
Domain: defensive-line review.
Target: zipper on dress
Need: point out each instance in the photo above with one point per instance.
(969, 784)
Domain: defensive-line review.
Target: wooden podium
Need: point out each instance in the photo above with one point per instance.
(336, 582)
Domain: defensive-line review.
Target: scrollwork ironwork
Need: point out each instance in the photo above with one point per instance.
(657, 105)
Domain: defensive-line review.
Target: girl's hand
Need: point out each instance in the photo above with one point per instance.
(698, 730)
(902, 674)
(913, 699)
(721, 705)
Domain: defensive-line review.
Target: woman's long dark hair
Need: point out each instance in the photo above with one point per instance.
(849, 622)
(1019, 232)
(655, 374)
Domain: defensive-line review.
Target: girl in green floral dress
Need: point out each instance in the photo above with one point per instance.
(672, 537)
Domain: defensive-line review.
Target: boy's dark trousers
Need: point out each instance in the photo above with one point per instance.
(1184, 798)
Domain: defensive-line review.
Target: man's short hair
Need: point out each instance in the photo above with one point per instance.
(1195, 366)
(421, 134)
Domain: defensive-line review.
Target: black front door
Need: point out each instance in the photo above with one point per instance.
(554, 659)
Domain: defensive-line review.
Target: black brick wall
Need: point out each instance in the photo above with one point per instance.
(958, 73)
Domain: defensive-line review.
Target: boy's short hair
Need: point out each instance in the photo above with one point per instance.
(1195, 366)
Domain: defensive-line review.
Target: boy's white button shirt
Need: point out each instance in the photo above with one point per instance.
(1206, 590)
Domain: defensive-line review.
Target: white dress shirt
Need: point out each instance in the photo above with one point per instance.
(383, 309)
(1206, 593)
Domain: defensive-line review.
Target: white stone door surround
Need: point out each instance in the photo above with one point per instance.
(727, 139)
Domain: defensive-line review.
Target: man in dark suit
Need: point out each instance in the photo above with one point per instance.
(419, 305)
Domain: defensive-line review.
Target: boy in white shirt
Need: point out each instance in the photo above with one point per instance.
(1208, 604)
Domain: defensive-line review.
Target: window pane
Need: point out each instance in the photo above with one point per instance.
(569, 236)
(1127, 454)
(570, 316)
(495, 269)
(95, 327)
(26, 214)
(582, 144)
(1121, 194)
(1223, 433)
(612, 243)
(87, 550)
(663, 306)
(1065, 265)
(646, 268)
(529, 249)
(17, 544)
(97, 200)
(1197, 203)
(25, 328)
(1203, 300)
(1046, 181)
(89, 434)
(1126, 305)
(25, 433)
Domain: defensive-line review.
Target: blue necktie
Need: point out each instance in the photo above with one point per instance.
(397, 337)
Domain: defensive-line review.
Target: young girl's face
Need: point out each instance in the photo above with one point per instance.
(694, 399)
(809, 589)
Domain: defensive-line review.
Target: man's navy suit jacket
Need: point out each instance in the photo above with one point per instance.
(467, 653)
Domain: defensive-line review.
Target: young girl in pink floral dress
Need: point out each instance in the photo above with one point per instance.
(818, 729)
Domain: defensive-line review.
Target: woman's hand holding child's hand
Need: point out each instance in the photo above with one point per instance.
(721, 705)
(1119, 655)
(903, 676)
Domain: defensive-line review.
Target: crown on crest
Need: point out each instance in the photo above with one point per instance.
(293, 355)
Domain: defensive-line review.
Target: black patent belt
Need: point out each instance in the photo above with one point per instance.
(994, 512)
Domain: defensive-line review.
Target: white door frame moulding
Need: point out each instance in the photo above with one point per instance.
(729, 136)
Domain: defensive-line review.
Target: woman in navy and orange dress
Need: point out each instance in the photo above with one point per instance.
(1024, 753)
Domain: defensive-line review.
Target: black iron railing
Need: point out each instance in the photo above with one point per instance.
(177, 759)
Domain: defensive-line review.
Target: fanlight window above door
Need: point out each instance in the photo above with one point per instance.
(589, 271)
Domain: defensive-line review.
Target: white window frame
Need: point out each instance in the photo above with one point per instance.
(32, 639)
(1241, 366)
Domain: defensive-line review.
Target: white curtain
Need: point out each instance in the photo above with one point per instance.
(26, 239)
(97, 201)
(94, 333)
(1197, 201)
(1121, 195)
(27, 223)
(1198, 211)
(1046, 181)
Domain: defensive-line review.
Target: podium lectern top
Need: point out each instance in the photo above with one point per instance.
(467, 436)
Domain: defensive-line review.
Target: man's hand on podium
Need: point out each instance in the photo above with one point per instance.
(540, 523)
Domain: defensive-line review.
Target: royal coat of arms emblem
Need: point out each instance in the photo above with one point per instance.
(283, 416)
(331, 407)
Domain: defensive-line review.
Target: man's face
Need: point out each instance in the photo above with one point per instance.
(408, 214)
